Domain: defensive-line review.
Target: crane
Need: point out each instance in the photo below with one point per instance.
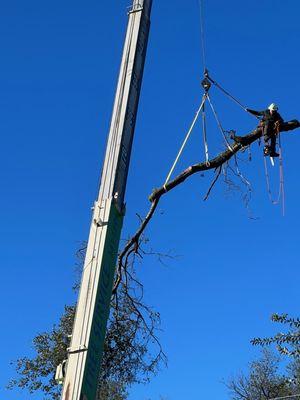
(79, 373)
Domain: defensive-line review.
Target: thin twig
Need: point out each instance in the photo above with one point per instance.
(219, 169)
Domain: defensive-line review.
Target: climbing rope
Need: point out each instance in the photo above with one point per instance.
(281, 175)
(281, 191)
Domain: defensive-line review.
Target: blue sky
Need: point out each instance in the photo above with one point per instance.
(59, 66)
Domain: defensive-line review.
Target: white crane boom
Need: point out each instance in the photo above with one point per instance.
(85, 352)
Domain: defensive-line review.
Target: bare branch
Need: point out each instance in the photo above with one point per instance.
(218, 172)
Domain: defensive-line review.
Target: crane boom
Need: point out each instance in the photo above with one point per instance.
(85, 352)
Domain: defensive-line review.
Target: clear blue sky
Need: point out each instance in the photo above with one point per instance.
(59, 65)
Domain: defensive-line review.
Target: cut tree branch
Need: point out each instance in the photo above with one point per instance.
(240, 142)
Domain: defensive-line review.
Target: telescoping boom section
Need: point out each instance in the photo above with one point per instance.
(85, 353)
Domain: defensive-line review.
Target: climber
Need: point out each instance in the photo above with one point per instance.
(270, 119)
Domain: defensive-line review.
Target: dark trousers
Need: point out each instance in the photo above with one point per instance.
(269, 135)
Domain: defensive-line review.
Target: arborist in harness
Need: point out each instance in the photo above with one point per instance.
(270, 122)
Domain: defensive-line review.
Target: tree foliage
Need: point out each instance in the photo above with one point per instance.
(271, 376)
(128, 358)
(263, 381)
(287, 343)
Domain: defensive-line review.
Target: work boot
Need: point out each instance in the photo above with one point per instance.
(273, 153)
(268, 151)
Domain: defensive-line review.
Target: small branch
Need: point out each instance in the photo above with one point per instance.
(213, 182)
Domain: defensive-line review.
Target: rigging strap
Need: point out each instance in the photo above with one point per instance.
(219, 123)
(186, 138)
(205, 135)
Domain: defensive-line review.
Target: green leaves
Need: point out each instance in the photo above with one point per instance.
(286, 343)
(127, 358)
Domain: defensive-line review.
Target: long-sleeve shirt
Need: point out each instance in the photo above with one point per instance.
(266, 115)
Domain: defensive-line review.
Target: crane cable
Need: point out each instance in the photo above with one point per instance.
(202, 36)
(200, 109)
(202, 106)
(202, 39)
(281, 194)
(201, 10)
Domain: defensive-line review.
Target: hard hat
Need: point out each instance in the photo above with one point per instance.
(273, 107)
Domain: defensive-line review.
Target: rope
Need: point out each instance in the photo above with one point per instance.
(281, 176)
(219, 123)
(227, 93)
(281, 192)
(269, 185)
(186, 138)
(202, 33)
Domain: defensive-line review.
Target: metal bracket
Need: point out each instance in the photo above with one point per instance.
(80, 349)
(99, 222)
(136, 8)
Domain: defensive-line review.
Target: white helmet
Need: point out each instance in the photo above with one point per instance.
(273, 107)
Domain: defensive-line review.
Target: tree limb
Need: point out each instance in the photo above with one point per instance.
(239, 143)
